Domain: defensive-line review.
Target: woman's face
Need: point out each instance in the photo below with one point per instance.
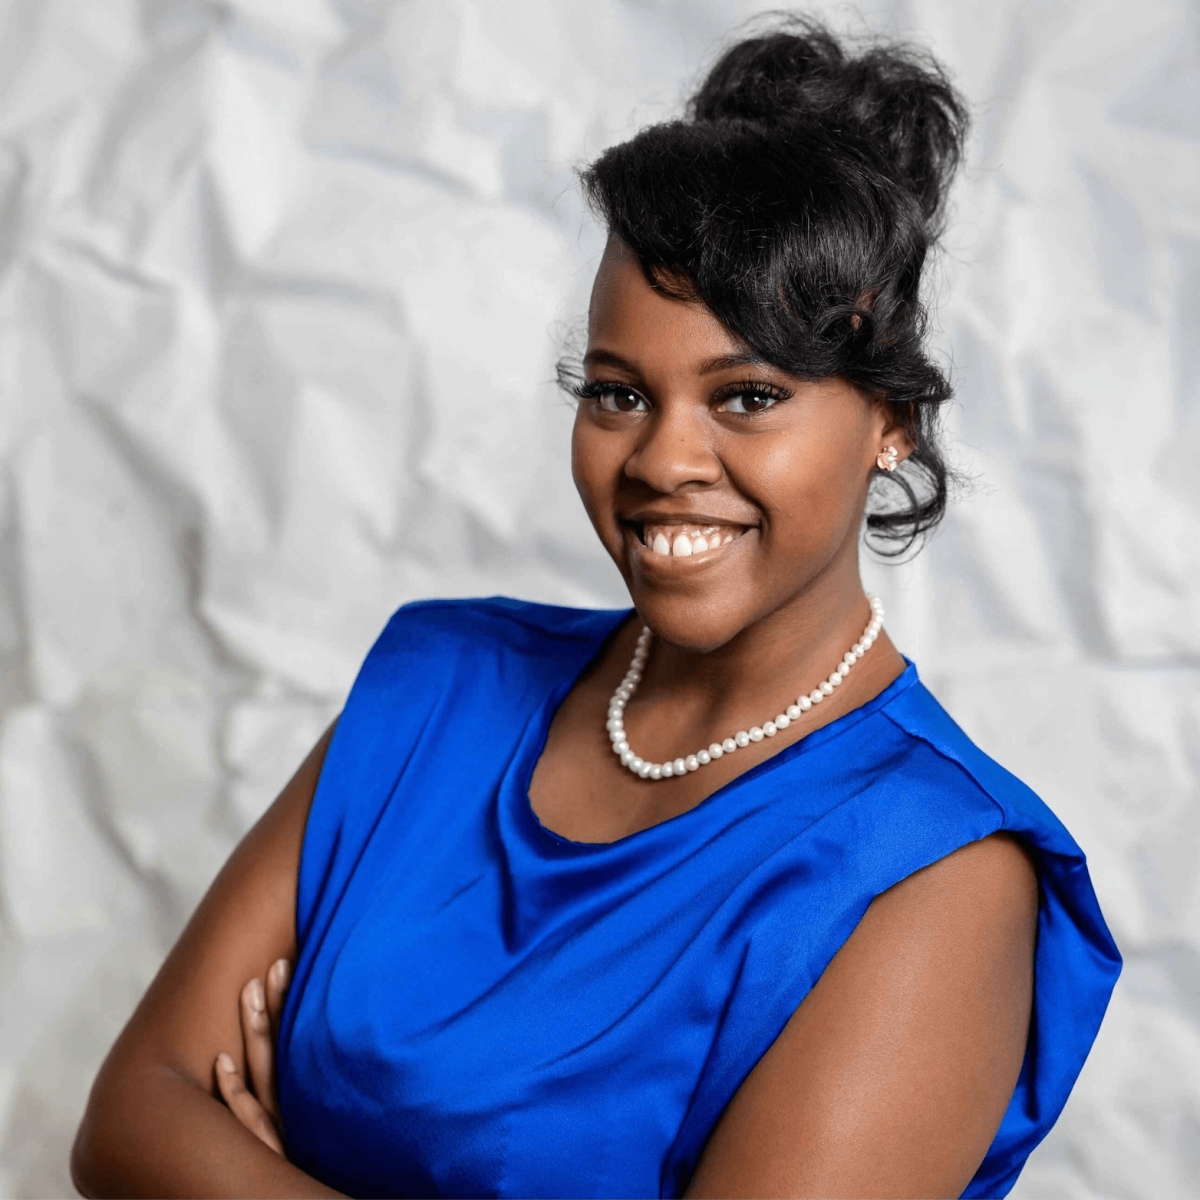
(723, 488)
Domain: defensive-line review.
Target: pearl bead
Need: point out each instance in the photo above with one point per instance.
(615, 723)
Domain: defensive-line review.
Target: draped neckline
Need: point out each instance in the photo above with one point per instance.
(532, 745)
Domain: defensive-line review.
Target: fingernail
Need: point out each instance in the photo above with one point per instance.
(258, 1000)
(282, 970)
(225, 1062)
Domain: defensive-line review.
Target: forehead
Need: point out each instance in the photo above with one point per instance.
(630, 318)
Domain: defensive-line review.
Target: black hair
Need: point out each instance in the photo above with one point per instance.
(798, 200)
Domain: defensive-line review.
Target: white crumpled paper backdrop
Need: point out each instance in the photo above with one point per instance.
(281, 287)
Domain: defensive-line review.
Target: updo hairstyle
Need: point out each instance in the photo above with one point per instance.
(798, 200)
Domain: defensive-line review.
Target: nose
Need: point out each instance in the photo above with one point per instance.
(675, 450)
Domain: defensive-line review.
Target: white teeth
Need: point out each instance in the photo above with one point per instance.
(684, 540)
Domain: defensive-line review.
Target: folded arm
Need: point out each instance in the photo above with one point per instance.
(155, 1124)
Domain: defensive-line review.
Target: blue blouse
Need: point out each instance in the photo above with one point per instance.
(483, 1008)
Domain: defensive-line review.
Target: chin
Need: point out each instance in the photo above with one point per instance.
(697, 624)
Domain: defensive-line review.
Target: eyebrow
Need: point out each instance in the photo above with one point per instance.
(710, 366)
(726, 362)
(606, 358)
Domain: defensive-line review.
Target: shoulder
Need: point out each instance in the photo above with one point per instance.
(476, 652)
(981, 897)
(941, 762)
(495, 622)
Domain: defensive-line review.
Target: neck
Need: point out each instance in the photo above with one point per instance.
(793, 646)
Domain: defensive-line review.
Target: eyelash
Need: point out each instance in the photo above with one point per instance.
(754, 387)
(594, 389)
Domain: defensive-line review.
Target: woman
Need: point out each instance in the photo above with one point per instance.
(710, 896)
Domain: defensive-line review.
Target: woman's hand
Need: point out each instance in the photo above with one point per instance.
(255, 1106)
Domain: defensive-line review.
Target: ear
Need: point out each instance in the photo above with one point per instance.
(894, 425)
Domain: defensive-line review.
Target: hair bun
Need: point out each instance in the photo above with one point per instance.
(895, 100)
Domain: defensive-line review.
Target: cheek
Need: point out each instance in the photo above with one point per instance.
(596, 465)
(810, 490)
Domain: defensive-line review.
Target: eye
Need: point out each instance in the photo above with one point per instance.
(621, 400)
(612, 397)
(748, 401)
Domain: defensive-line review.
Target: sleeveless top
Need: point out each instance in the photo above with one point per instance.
(483, 1008)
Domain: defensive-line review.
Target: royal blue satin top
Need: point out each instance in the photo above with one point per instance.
(483, 1008)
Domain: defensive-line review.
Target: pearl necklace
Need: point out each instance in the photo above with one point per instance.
(693, 762)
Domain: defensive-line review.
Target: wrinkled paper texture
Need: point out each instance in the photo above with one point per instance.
(282, 283)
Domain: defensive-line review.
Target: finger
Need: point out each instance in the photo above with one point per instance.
(260, 1052)
(278, 978)
(243, 1105)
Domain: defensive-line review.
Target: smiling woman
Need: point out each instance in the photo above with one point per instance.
(806, 939)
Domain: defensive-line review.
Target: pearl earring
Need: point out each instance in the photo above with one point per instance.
(887, 460)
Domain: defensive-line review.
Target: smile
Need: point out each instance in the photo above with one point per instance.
(684, 541)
